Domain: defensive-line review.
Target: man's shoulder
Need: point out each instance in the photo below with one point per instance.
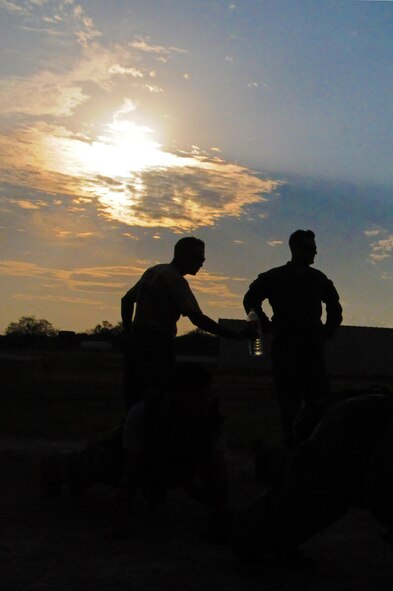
(159, 268)
(275, 272)
(166, 271)
(318, 274)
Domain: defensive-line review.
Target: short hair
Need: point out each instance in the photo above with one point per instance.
(298, 238)
(185, 245)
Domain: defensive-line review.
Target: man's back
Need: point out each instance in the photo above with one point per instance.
(296, 298)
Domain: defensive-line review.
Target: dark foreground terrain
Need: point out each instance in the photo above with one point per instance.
(57, 401)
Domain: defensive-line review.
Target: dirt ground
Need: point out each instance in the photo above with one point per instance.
(65, 544)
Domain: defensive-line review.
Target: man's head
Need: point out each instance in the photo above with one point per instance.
(189, 255)
(303, 247)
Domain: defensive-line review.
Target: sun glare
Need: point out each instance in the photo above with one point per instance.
(126, 170)
(124, 149)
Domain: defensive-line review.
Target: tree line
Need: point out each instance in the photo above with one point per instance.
(39, 327)
(29, 330)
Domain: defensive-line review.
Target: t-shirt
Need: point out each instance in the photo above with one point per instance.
(162, 296)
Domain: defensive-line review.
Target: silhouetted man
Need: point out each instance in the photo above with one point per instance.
(190, 453)
(346, 462)
(161, 296)
(296, 293)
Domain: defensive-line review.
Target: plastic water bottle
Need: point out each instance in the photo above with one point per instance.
(255, 344)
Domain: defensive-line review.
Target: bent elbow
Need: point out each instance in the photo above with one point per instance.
(248, 302)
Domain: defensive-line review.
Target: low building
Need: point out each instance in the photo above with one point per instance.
(354, 351)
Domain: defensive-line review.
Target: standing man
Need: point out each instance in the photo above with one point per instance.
(161, 296)
(296, 293)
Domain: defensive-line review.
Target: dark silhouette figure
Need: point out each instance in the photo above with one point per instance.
(161, 296)
(346, 462)
(189, 455)
(296, 293)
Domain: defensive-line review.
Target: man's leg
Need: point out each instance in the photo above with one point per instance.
(287, 384)
(316, 391)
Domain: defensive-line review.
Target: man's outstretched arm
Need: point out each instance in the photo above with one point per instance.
(207, 324)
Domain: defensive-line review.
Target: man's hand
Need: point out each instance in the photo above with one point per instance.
(249, 332)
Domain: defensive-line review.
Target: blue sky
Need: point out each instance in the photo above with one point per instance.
(126, 125)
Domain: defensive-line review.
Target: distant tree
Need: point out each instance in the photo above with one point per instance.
(31, 326)
(106, 329)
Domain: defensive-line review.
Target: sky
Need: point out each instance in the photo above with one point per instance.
(126, 125)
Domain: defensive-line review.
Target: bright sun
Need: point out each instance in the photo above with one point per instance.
(124, 149)
(133, 180)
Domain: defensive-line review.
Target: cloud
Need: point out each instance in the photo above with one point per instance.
(144, 45)
(191, 196)
(67, 14)
(152, 88)
(98, 279)
(382, 249)
(58, 299)
(274, 243)
(87, 32)
(46, 96)
(64, 285)
(58, 90)
(372, 232)
(56, 93)
(128, 175)
(133, 72)
(14, 7)
(26, 204)
(216, 289)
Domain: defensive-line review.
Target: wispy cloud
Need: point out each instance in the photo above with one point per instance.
(83, 279)
(46, 96)
(60, 299)
(372, 232)
(144, 45)
(14, 7)
(59, 90)
(382, 249)
(63, 16)
(65, 285)
(216, 289)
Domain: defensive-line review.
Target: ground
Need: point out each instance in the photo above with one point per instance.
(53, 401)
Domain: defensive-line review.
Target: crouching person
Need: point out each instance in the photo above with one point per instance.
(346, 462)
(177, 442)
